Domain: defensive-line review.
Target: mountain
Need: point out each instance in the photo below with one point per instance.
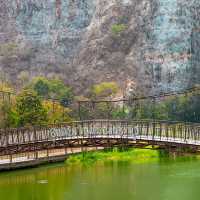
(153, 44)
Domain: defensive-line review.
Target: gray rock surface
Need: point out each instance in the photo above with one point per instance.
(152, 43)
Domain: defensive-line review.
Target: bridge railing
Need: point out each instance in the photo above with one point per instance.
(112, 129)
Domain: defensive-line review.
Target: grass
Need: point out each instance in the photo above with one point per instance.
(116, 154)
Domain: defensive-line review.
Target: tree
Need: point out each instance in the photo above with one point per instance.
(104, 90)
(9, 116)
(30, 109)
(41, 86)
(56, 112)
(61, 92)
(52, 88)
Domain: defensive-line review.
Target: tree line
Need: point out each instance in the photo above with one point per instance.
(46, 101)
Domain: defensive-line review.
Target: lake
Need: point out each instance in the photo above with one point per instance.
(157, 180)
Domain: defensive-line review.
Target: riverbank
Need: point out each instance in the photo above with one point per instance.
(133, 155)
(117, 154)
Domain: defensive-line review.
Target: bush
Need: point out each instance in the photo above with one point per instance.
(105, 89)
(118, 28)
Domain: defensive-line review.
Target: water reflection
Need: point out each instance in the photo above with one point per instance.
(165, 179)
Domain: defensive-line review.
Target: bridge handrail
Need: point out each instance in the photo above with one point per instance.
(101, 129)
(32, 128)
(139, 120)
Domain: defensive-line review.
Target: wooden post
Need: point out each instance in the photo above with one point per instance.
(9, 98)
(63, 115)
(181, 131)
(154, 122)
(108, 110)
(65, 150)
(35, 149)
(36, 154)
(54, 109)
(82, 136)
(185, 136)
(123, 105)
(79, 110)
(147, 129)
(160, 130)
(174, 132)
(7, 136)
(127, 133)
(11, 158)
(47, 153)
(167, 130)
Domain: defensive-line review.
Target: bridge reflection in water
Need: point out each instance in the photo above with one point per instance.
(54, 142)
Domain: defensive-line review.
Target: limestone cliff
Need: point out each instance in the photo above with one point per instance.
(152, 43)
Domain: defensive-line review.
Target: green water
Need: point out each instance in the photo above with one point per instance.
(160, 180)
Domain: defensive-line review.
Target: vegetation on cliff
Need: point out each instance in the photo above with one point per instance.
(118, 28)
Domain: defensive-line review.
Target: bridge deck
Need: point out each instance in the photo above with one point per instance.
(29, 159)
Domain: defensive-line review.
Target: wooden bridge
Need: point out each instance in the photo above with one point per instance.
(95, 133)
(98, 133)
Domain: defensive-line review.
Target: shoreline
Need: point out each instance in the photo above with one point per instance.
(88, 156)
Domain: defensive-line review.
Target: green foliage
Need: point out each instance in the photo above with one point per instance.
(52, 88)
(9, 116)
(105, 89)
(118, 28)
(102, 110)
(84, 112)
(56, 113)
(12, 118)
(41, 86)
(33, 107)
(182, 108)
(30, 109)
(120, 113)
(102, 91)
(116, 154)
(61, 91)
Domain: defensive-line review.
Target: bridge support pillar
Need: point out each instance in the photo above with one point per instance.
(11, 158)
(47, 152)
(36, 155)
(65, 150)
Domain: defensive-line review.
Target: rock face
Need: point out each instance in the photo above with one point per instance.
(42, 37)
(152, 43)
